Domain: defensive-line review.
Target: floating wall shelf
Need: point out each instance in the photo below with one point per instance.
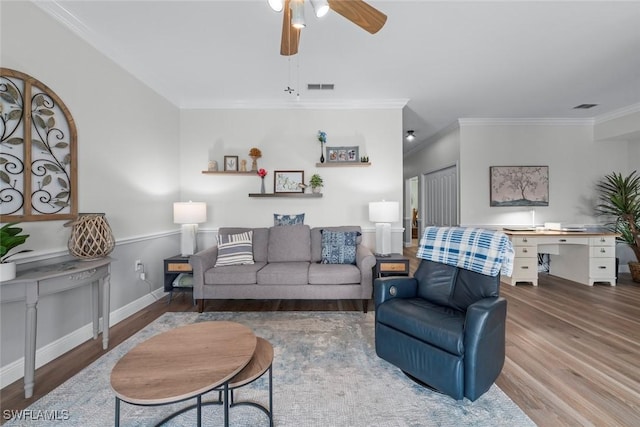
(305, 195)
(254, 173)
(341, 165)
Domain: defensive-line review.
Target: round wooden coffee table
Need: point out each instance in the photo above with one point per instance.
(183, 363)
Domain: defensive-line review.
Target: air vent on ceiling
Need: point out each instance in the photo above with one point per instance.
(584, 106)
(320, 86)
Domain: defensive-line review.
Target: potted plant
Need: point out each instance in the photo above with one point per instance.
(10, 238)
(316, 183)
(620, 200)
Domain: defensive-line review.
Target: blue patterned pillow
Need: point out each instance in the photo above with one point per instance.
(279, 219)
(339, 247)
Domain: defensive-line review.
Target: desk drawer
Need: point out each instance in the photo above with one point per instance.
(603, 251)
(523, 241)
(525, 251)
(602, 267)
(603, 241)
(525, 267)
(563, 240)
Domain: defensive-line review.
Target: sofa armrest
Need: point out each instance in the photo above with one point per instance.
(365, 261)
(484, 343)
(387, 288)
(201, 262)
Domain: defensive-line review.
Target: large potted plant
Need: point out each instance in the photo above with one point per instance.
(620, 201)
(10, 238)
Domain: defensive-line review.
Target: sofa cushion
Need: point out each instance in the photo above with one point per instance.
(260, 240)
(440, 326)
(292, 243)
(233, 274)
(333, 274)
(339, 247)
(235, 249)
(316, 239)
(279, 219)
(284, 273)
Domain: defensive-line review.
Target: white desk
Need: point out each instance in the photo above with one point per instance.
(583, 257)
(32, 283)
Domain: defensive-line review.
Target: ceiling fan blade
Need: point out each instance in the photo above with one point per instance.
(360, 13)
(290, 35)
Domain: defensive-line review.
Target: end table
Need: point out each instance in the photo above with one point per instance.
(173, 267)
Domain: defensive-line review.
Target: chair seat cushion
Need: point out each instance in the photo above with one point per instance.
(333, 274)
(442, 327)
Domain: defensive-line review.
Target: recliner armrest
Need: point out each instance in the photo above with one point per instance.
(386, 288)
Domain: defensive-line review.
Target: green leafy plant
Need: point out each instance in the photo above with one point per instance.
(10, 238)
(316, 181)
(620, 200)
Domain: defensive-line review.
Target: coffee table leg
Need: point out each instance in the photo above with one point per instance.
(117, 423)
(226, 404)
(270, 397)
(199, 410)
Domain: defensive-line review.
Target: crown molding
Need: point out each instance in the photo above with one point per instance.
(525, 121)
(616, 114)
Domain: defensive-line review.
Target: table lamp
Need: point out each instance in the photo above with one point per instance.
(189, 214)
(383, 214)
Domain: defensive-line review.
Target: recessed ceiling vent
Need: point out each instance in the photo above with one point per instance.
(320, 86)
(584, 106)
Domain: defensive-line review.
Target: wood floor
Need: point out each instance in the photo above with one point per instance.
(573, 351)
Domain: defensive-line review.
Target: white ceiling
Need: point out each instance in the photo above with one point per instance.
(446, 59)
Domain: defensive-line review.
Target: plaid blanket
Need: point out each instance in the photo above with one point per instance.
(483, 251)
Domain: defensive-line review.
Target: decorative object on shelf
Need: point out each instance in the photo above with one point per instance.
(213, 166)
(231, 163)
(620, 201)
(91, 236)
(322, 137)
(10, 238)
(343, 154)
(262, 173)
(39, 178)
(316, 183)
(383, 214)
(288, 181)
(519, 185)
(189, 214)
(255, 154)
(243, 165)
(364, 159)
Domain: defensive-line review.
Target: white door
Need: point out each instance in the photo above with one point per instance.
(440, 198)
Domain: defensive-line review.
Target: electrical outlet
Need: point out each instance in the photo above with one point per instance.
(138, 265)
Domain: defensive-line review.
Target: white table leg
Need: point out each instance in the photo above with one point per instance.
(30, 349)
(106, 310)
(95, 307)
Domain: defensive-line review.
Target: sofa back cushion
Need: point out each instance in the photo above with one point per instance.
(260, 240)
(290, 243)
(316, 239)
(452, 286)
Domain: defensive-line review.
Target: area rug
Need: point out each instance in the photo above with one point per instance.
(325, 373)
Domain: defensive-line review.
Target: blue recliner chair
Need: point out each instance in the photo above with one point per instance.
(444, 327)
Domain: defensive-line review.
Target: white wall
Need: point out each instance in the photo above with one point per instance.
(128, 155)
(287, 139)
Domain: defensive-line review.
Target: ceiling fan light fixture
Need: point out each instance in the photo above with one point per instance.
(276, 5)
(297, 14)
(410, 135)
(320, 7)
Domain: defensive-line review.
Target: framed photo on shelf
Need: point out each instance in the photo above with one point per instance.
(519, 185)
(288, 181)
(231, 163)
(343, 154)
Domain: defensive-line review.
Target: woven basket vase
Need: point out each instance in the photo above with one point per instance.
(91, 237)
(634, 267)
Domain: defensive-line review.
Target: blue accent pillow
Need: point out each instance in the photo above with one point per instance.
(279, 219)
(339, 247)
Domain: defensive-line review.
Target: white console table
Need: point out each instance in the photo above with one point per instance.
(32, 283)
(583, 257)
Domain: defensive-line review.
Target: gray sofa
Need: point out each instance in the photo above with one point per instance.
(287, 265)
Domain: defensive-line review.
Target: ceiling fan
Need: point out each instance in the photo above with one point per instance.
(356, 11)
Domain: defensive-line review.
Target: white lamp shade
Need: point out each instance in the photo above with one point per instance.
(189, 212)
(276, 5)
(384, 211)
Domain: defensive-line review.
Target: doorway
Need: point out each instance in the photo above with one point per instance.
(440, 198)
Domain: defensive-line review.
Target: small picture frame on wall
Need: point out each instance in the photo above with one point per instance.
(519, 185)
(343, 154)
(288, 181)
(231, 163)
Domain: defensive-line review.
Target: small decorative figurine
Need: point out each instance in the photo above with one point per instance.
(243, 165)
(213, 166)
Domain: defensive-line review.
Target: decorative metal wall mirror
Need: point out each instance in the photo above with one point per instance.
(38, 178)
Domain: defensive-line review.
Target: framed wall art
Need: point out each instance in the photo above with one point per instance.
(519, 185)
(231, 163)
(288, 181)
(343, 154)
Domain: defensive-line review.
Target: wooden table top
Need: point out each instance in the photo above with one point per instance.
(183, 362)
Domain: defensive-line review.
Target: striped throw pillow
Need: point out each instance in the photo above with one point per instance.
(235, 249)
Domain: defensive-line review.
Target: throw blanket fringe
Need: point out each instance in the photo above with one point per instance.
(483, 251)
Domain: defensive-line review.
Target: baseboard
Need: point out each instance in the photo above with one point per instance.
(15, 370)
